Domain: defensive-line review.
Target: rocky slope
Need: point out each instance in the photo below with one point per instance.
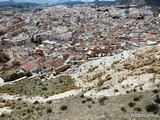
(127, 72)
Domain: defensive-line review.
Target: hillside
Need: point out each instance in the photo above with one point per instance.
(108, 88)
(124, 73)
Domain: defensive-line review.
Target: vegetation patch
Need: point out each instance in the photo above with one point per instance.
(157, 100)
(98, 75)
(92, 69)
(100, 83)
(136, 99)
(138, 109)
(152, 108)
(131, 104)
(102, 100)
(155, 91)
(123, 109)
(35, 87)
(64, 107)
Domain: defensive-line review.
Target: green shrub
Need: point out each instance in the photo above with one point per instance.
(89, 106)
(64, 107)
(82, 96)
(131, 104)
(123, 109)
(136, 99)
(60, 81)
(100, 83)
(116, 90)
(2, 115)
(141, 88)
(138, 109)
(108, 77)
(157, 100)
(155, 91)
(19, 99)
(152, 108)
(44, 88)
(102, 99)
(127, 92)
(49, 102)
(49, 110)
(92, 69)
(36, 102)
(83, 101)
(135, 90)
(98, 75)
(88, 99)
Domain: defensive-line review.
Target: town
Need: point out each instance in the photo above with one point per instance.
(59, 37)
(81, 61)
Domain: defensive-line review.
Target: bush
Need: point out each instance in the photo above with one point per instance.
(28, 110)
(108, 77)
(123, 109)
(49, 102)
(60, 81)
(136, 99)
(135, 90)
(98, 75)
(18, 107)
(49, 110)
(116, 90)
(88, 99)
(82, 96)
(40, 84)
(2, 115)
(92, 69)
(131, 104)
(89, 106)
(44, 88)
(155, 91)
(23, 114)
(102, 99)
(64, 107)
(19, 99)
(100, 83)
(157, 100)
(152, 108)
(127, 92)
(36, 102)
(138, 109)
(83, 101)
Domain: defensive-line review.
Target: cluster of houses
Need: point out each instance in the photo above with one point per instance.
(55, 38)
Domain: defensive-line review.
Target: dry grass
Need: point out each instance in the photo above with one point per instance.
(94, 77)
(92, 69)
(36, 87)
(100, 83)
